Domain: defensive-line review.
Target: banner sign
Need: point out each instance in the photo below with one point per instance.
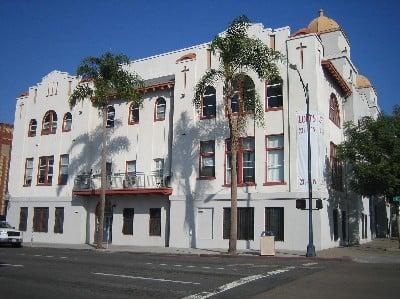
(317, 151)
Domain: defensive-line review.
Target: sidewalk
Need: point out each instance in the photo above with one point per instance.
(376, 251)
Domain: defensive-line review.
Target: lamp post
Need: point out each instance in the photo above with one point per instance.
(310, 246)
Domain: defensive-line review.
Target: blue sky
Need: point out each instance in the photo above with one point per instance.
(40, 36)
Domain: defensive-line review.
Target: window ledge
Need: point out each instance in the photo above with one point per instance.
(131, 123)
(204, 178)
(25, 185)
(274, 109)
(207, 117)
(274, 183)
(241, 185)
(46, 184)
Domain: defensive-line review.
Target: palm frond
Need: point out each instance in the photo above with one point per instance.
(80, 93)
(209, 78)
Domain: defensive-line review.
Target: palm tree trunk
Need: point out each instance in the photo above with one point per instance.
(99, 244)
(233, 233)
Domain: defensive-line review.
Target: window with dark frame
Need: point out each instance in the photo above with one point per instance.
(59, 220)
(160, 109)
(155, 222)
(40, 220)
(334, 113)
(275, 158)
(32, 128)
(28, 172)
(128, 215)
(45, 172)
(209, 103)
(49, 125)
(23, 219)
(67, 122)
(335, 218)
(110, 116)
(245, 161)
(207, 159)
(275, 222)
(274, 95)
(63, 170)
(336, 169)
(245, 223)
(248, 92)
(134, 114)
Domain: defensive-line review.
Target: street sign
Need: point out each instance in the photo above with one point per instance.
(397, 199)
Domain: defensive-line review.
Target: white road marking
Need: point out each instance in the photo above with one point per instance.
(146, 278)
(190, 266)
(234, 265)
(310, 264)
(177, 265)
(49, 256)
(237, 283)
(37, 255)
(10, 265)
(163, 264)
(220, 268)
(63, 257)
(149, 263)
(206, 267)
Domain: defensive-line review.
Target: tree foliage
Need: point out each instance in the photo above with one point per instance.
(110, 80)
(372, 149)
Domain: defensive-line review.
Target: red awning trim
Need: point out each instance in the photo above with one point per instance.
(139, 191)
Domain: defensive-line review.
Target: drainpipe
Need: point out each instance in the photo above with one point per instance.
(169, 175)
(288, 116)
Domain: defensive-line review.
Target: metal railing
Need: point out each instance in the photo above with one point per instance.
(137, 180)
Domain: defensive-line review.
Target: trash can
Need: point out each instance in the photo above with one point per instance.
(267, 243)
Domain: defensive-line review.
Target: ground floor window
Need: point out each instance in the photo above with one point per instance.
(155, 222)
(59, 221)
(335, 218)
(40, 220)
(245, 223)
(23, 219)
(364, 226)
(127, 228)
(274, 222)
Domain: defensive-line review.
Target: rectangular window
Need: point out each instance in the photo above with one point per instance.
(155, 222)
(336, 169)
(274, 97)
(207, 158)
(248, 160)
(40, 220)
(274, 222)
(272, 41)
(23, 219)
(275, 158)
(63, 171)
(245, 161)
(28, 172)
(245, 223)
(45, 174)
(335, 216)
(59, 221)
(127, 228)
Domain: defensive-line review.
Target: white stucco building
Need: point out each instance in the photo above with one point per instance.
(169, 180)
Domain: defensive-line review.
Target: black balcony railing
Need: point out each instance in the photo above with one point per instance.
(122, 181)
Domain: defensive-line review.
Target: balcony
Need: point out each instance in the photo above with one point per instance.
(123, 184)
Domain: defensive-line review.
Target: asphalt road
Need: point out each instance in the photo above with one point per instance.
(64, 273)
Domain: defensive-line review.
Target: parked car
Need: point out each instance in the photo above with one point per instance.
(10, 235)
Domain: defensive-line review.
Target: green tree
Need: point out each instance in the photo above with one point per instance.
(105, 79)
(372, 151)
(238, 55)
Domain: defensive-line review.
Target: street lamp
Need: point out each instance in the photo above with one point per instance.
(310, 246)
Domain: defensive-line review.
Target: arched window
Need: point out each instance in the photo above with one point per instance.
(159, 113)
(274, 98)
(133, 114)
(334, 113)
(67, 122)
(49, 125)
(110, 116)
(248, 95)
(209, 103)
(32, 128)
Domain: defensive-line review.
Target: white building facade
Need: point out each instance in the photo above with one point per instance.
(167, 164)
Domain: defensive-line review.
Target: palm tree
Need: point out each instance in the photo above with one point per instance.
(105, 79)
(238, 54)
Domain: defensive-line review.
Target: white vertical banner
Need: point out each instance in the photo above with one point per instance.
(317, 151)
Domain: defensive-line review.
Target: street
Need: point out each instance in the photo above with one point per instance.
(68, 273)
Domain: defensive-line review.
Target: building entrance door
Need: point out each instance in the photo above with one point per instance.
(107, 227)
